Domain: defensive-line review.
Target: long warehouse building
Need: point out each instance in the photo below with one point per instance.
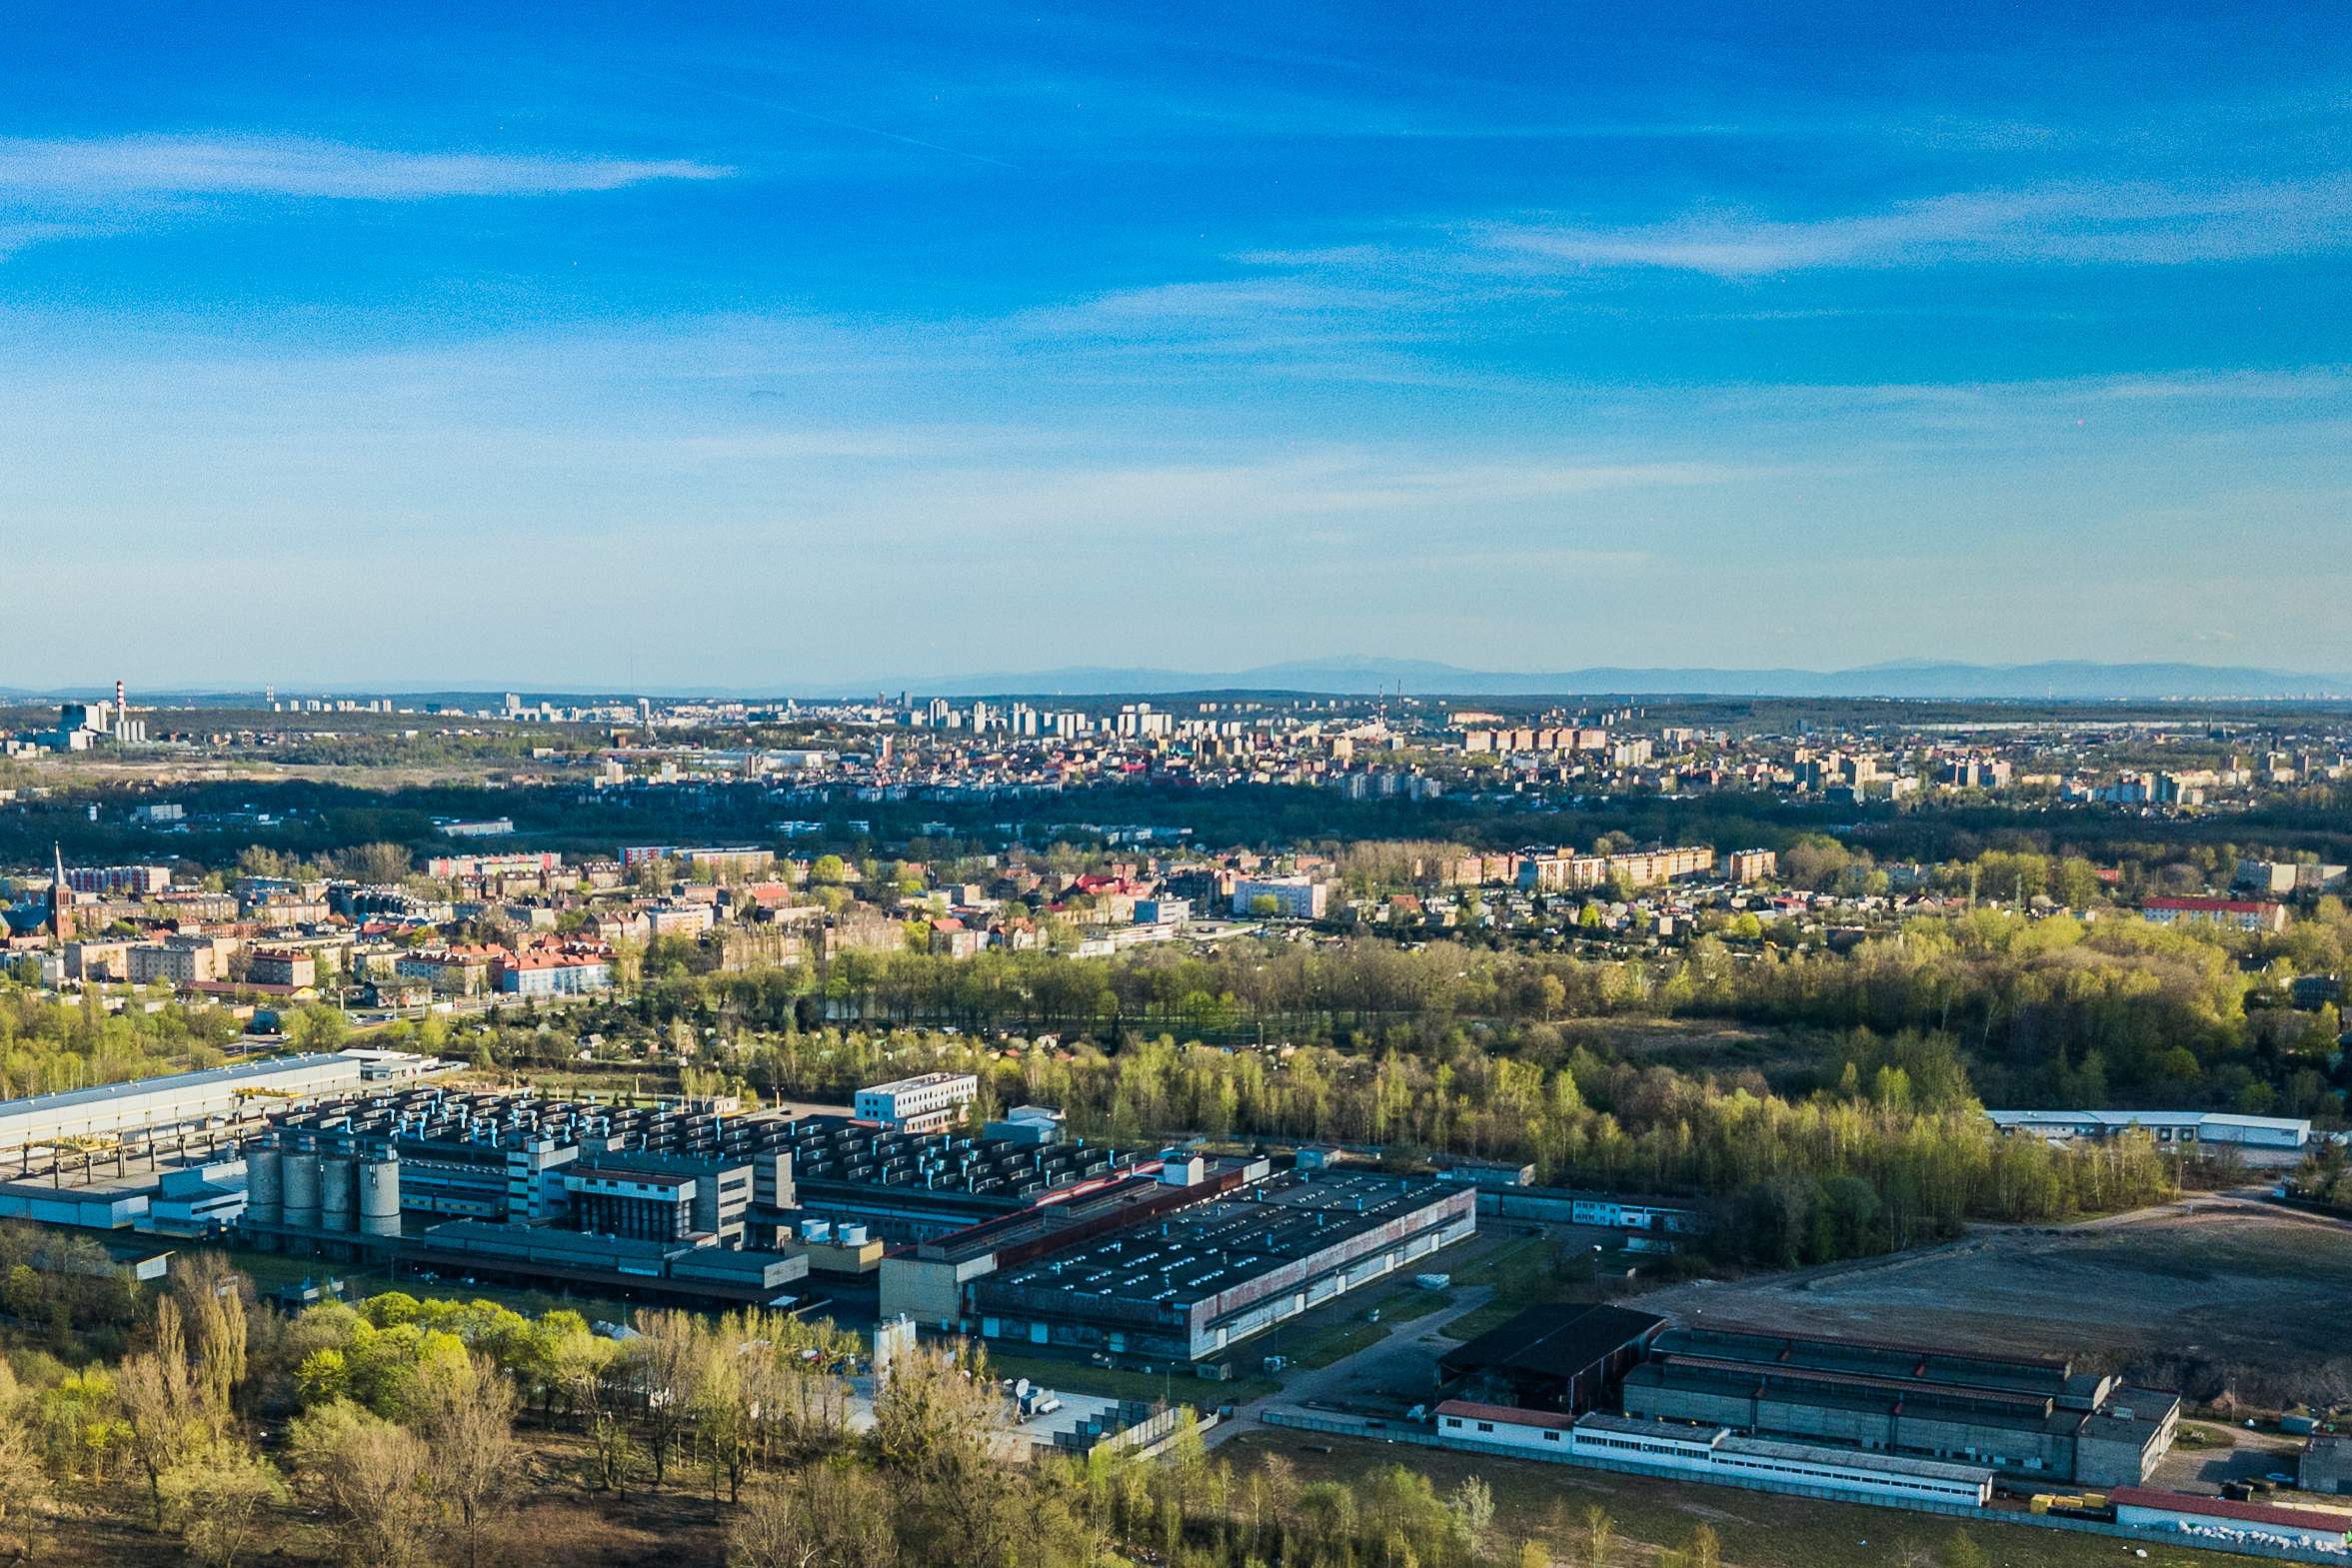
(2037, 1419)
(147, 1105)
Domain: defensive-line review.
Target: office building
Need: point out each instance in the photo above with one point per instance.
(919, 1104)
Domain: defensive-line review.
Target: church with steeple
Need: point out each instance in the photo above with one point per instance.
(61, 903)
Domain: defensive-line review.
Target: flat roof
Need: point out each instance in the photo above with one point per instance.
(1642, 1426)
(1859, 1459)
(921, 1080)
(1202, 1251)
(1555, 1340)
(180, 1082)
(1470, 1410)
(1883, 1358)
(2128, 1118)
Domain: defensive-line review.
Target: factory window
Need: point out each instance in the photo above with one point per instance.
(1486, 1426)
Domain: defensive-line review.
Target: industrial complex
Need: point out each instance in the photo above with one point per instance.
(1014, 1232)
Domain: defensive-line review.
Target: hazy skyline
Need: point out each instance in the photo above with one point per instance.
(391, 349)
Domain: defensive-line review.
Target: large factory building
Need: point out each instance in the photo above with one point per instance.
(1177, 1263)
(666, 1201)
(2038, 1419)
(542, 1190)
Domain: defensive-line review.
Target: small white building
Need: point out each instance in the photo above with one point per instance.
(919, 1104)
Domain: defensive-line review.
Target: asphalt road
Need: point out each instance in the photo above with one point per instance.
(1392, 1368)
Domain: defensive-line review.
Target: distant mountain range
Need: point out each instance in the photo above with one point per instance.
(2058, 681)
(2071, 681)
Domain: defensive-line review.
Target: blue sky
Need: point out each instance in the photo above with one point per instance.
(610, 347)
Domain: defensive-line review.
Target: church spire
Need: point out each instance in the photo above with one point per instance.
(61, 901)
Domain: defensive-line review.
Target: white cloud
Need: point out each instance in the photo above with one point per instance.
(98, 168)
(2085, 223)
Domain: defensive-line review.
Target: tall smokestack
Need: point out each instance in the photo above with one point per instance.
(118, 697)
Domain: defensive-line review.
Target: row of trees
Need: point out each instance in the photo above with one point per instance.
(48, 1045)
(2052, 1010)
(1893, 1151)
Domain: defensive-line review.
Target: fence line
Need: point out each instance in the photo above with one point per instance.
(1401, 1433)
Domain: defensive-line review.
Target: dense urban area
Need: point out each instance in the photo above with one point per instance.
(1245, 1129)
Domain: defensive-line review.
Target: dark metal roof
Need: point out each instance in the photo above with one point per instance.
(1559, 1341)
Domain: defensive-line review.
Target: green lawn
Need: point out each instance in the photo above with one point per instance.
(1522, 1273)
(1082, 1377)
(1334, 1342)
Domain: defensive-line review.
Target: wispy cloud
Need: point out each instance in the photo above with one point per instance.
(2140, 223)
(98, 168)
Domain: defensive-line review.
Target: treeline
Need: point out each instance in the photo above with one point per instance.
(2049, 1011)
(1899, 1153)
(48, 1045)
(397, 1432)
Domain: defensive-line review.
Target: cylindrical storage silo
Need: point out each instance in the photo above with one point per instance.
(851, 1235)
(302, 1189)
(379, 1196)
(338, 1194)
(265, 1184)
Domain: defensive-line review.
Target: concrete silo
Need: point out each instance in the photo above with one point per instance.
(379, 1195)
(302, 1188)
(338, 1194)
(265, 1183)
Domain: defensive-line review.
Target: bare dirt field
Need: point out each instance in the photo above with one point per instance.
(1696, 1045)
(2221, 1296)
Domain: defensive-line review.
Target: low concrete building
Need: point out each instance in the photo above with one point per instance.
(1567, 1357)
(2326, 1465)
(1211, 1275)
(2035, 1419)
(919, 1104)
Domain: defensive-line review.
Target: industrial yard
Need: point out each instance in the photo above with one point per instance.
(2190, 1295)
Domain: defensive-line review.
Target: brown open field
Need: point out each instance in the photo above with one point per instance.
(2222, 1297)
(1695, 1044)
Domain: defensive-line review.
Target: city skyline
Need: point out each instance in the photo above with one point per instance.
(701, 356)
